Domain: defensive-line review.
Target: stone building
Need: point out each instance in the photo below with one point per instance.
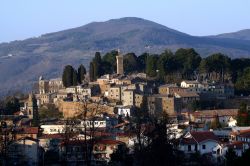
(128, 97)
(49, 86)
(170, 89)
(114, 93)
(163, 103)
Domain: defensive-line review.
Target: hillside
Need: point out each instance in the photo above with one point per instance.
(22, 62)
(241, 35)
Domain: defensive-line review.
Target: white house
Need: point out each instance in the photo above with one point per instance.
(201, 141)
(194, 86)
(53, 129)
(124, 111)
(60, 128)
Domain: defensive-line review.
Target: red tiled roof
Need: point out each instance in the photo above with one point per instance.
(27, 130)
(200, 136)
(204, 135)
(109, 142)
(31, 130)
(236, 145)
(187, 94)
(51, 136)
(213, 113)
(245, 133)
(103, 142)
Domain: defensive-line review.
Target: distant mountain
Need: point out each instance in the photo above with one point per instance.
(22, 62)
(241, 35)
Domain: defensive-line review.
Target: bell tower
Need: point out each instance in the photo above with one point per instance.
(119, 64)
(32, 108)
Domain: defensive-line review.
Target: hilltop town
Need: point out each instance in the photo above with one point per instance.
(127, 110)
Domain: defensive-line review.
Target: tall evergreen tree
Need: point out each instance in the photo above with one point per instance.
(67, 76)
(97, 64)
(91, 72)
(74, 78)
(81, 73)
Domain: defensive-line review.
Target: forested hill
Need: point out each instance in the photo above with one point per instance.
(22, 62)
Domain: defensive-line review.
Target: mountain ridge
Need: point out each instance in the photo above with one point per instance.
(23, 61)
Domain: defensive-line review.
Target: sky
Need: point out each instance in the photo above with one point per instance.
(21, 19)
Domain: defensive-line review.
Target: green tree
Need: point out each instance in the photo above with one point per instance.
(165, 64)
(151, 65)
(74, 78)
(97, 61)
(142, 60)
(109, 62)
(81, 73)
(243, 117)
(243, 83)
(69, 76)
(238, 66)
(91, 72)
(12, 105)
(130, 63)
(218, 64)
(188, 61)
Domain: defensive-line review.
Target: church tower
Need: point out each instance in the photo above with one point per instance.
(119, 64)
(32, 108)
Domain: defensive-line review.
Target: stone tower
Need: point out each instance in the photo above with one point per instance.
(43, 85)
(32, 109)
(119, 63)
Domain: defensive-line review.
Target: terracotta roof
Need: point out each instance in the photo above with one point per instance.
(51, 136)
(200, 136)
(187, 94)
(245, 133)
(27, 130)
(236, 145)
(213, 113)
(105, 142)
(109, 142)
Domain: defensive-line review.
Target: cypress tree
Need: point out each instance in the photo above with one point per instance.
(67, 77)
(74, 77)
(91, 71)
(81, 73)
(97, 65)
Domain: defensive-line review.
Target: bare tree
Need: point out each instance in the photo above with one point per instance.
(84, 123)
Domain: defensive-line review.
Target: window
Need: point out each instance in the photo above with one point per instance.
(189, 148)
(203, 146)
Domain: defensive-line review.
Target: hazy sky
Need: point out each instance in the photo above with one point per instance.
(20, 19)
